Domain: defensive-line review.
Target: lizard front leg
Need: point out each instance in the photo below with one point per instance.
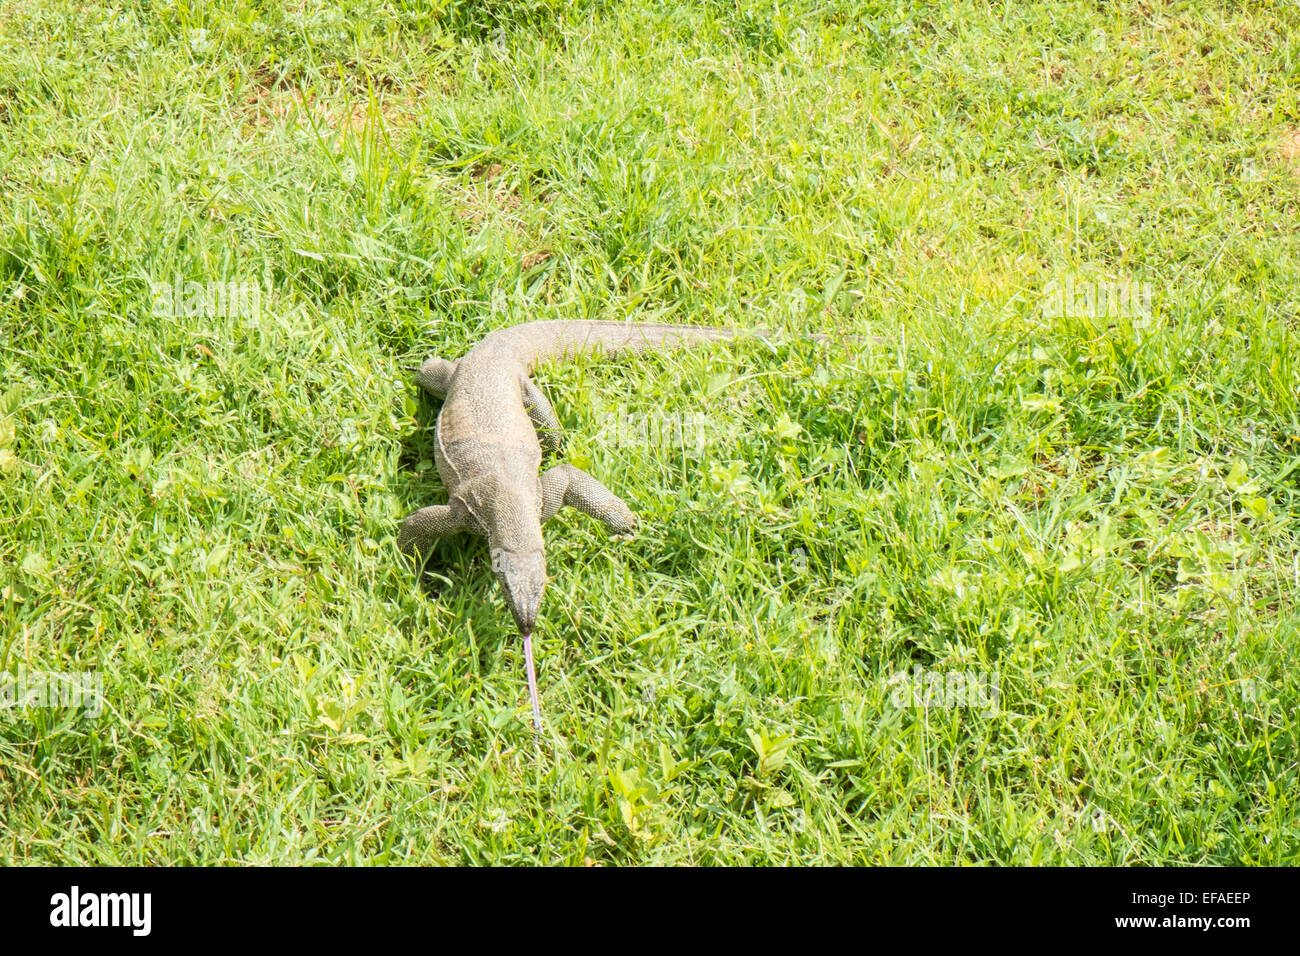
(421, 528)
(549, 434)
(567, 485)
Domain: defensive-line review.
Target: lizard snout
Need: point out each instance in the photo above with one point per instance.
(522, 575)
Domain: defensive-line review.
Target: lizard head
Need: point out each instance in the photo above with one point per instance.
(522, 575)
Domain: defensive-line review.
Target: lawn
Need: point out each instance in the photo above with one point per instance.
(1001, 571)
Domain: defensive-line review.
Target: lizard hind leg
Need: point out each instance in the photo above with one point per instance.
(434, 376)
(568, 485)
(549, 434)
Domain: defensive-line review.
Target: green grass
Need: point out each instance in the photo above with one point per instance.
(1103, 511)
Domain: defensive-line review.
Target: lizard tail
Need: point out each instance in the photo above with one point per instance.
(535, 342)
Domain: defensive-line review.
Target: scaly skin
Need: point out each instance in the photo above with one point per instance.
(488, 451)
